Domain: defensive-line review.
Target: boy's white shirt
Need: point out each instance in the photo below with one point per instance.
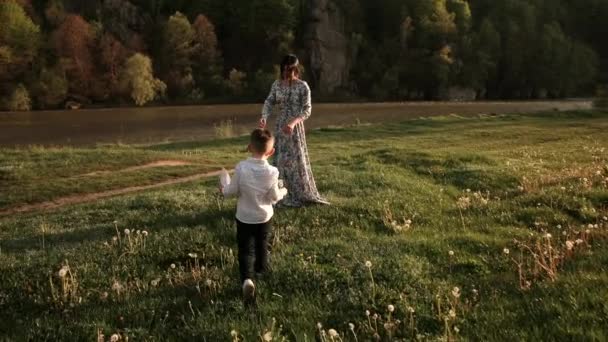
(256, 183)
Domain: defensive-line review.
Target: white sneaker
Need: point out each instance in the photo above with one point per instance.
(248, 289)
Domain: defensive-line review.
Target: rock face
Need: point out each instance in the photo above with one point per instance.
(328, 52)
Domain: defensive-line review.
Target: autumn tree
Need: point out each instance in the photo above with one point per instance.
(19, 40)
(112, 57)
(206, 56)
(73, 40)
(51, 88)
(138, 79)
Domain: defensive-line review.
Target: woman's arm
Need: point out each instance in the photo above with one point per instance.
(306, 109)
(268, 104)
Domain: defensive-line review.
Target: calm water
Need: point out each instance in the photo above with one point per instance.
(143, 125)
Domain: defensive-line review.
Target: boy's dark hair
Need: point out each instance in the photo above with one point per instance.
(261, 140)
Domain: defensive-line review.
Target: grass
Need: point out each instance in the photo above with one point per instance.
(432, 204)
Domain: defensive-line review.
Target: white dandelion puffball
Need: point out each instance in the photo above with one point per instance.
(559, 226)
(598, 172)
(605, 218)
(173, 266)
(224, 178)
(563, 188)
(520, 188)
(115, 338)
(332, 333)
(366, 312)
(410, 309)
(578, 241)
(452, 313)
(588, 231)
(138, 232)
(548, 236)
(268, 336)
(590, 226)
(193, 255)
(127, 232)
(63, 271)
(506, 251)
(569, 245)
(368, 264)
(456, 330)
(319, 326)
(234, 333)
(375, 316)
(351, 326)
(391, 308)
(144, 233)
(456, 292)
(451, 253)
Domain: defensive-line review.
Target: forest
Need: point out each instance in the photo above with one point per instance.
(72, 53)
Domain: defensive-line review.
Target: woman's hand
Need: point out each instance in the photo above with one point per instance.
(288, 129)
(262, 124)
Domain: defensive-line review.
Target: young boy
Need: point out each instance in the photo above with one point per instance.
(256, 184)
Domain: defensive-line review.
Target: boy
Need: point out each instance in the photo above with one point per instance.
(256, 184)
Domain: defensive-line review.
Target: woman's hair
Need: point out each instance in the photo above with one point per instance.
(289, 62)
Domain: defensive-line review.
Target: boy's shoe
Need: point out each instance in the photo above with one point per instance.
(248, 289)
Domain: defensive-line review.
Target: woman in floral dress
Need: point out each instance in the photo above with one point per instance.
(292, 96)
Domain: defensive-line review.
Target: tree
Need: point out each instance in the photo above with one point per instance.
(112, 58)
(179, 47)
(51, 88)
(20, 99)
(73, 41)
(19, 40)
(139, 80)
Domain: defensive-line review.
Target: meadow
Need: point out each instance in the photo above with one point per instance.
(486, 228)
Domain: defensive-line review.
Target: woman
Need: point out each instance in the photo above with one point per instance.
(292, 95)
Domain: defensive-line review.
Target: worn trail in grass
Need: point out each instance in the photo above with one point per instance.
(450, 213)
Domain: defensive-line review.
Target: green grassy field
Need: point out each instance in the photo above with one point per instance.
(486, 228)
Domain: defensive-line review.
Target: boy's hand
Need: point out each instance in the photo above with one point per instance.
(221, 189)
(262, 124)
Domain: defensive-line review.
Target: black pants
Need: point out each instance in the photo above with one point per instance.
(253, 247)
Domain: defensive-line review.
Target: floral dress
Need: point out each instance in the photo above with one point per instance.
(291, 156)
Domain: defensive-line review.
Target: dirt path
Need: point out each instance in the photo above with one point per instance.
(159, 163)
(91, 197)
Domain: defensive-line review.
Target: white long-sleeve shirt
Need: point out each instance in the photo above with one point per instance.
(256, 183)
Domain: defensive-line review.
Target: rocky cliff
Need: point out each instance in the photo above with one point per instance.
(329, 54)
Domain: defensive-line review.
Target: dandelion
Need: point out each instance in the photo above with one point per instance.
(456, 292)
(154, 282)
(368, 264)
(451, 253)
(351, 326)
(520, 188)
(115, 338)
(138, 232)
(63, 271)
(193, 255)
(578, 241)
(563, 188)
(172, 266)
(598, 173)
(605, 218)
(506, 251)
(234, 333)
(114, 238)
(456, 330)
(559, 226)
(468, 190)
(410, 309)
(391, 308)
(595, 226)
(569, 245)
(590, 226)
(564, 233)
(319, 325)
(452, 313)
(268, 336)
(548, 236)
(587, 231)
(366, 313)
(144, 233)
(127, 232)
(475, 292)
